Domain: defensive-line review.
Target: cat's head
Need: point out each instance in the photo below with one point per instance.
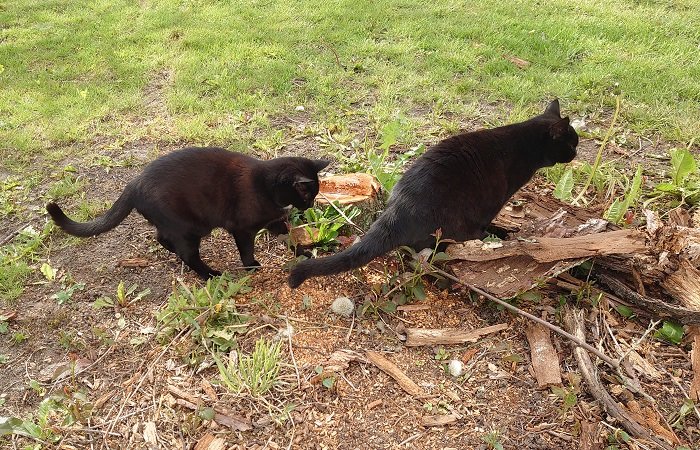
(561, 139)
(297, 182)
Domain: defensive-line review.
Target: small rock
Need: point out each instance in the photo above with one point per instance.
(299, 108)
(343, 306)
(455, 367)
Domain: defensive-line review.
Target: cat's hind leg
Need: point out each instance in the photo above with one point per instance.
(187, 248)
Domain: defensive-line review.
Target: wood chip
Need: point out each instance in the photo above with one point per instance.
(134, 262)
(234, 422)
(209, 442)
(150, 434)
(416, 337)
(394, 372)
(413, 307)
(439, 420)
(518, 62)
(684, 285)
(545, 360)
(374, 404)
(207, 387)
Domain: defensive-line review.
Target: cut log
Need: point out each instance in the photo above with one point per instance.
(416, 337)
(358, 189)
(545, 360)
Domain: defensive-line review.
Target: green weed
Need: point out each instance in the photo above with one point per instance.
(16, 259)
(255, 373)
(124, 297)
(209, 313)
(323, 224)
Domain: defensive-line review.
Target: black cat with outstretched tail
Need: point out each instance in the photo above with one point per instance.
(189, 192)
(459, 186)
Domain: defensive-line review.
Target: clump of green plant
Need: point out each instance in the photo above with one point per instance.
(323, 224)
(378, 160)
(53, 414)
(255, 373)
(493, 440)
(685, 178)
(617, 211)
(16, 259)
(123, 298)
(387, 170)
(209, 313)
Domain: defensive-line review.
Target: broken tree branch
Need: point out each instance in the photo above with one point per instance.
(662, 309)
(608, 360)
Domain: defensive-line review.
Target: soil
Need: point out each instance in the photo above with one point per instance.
(126, 370)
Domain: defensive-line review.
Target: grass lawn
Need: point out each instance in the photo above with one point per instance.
(222, 72)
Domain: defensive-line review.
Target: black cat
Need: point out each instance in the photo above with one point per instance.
(189, 192)
(459, 186)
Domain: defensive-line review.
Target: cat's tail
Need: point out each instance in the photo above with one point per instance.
(113, 217)
(378, 241)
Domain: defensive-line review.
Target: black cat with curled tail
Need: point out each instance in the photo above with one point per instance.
(459, 185)
(189, 192)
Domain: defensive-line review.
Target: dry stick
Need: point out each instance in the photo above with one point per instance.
(608, 360)
(342, 214)
(599, 156)
(574, 321)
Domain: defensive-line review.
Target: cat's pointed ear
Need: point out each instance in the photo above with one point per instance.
(553, 108)
(559, 129)
(320, 164)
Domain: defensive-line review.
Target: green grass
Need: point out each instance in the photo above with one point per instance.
(73, 71)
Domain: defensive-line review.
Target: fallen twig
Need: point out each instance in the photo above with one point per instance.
(574, 322)
(394, 372)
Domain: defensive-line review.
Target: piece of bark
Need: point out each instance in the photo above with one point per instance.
(647, 416)
(394, 372)
(416, 337)
(590, 436)
(221, 416)
(439, 420)
(545, 360)
(546, 249)
(658, 308)
(694, 393)
(574, 322)
(684, 285)
(210, 442)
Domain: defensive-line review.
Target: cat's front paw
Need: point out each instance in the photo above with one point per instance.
(252, 265)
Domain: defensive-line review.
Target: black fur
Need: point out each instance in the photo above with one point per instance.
(459, 186)
(189, 192)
